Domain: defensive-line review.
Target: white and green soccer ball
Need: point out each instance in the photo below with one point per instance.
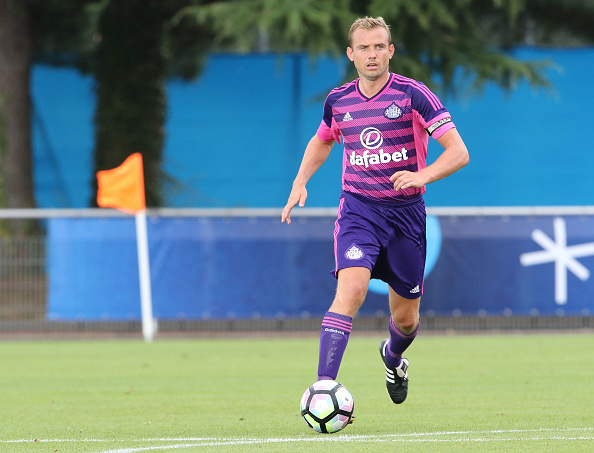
(327, 406)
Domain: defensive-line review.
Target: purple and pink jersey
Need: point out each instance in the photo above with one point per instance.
(383, 134)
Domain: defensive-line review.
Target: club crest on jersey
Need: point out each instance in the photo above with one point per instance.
(393, 112)
(354, 253)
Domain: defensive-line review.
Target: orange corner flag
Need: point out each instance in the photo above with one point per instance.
(122, 187)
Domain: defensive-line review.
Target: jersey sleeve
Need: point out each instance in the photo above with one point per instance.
(327, 134)
(432, 115)
(328, 129)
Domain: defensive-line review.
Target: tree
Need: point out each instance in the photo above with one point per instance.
(28, 28)
(138, 51)
(554, 23)
(435, 39)
(449, 45)
(130, 68)
(15, 105)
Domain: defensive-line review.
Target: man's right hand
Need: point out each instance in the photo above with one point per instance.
(298, 195)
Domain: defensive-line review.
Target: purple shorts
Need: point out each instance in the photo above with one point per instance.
(388, 239)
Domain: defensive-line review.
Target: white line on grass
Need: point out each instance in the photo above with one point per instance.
(370, 438)
(461, 436)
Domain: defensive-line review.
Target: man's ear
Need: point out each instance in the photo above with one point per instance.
(349, 53)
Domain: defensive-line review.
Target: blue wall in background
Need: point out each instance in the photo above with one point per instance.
(236, 135)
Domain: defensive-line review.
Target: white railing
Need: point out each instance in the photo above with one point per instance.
(461, 211)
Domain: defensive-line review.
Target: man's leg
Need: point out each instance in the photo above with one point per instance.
(404, 324)
(351, 290)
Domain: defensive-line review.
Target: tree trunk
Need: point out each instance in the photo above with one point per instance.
(16, 179)
(130, 71)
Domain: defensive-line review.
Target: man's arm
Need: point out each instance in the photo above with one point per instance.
(454, 157)
(316, 153)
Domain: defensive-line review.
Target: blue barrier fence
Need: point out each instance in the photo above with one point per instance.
(250, 266)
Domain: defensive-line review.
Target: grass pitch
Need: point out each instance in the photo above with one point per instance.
(505, 393)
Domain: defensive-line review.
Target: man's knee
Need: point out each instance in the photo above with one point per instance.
(355, 290)
(406, 320)
(405, 312)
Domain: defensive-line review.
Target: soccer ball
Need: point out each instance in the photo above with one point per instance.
(327, 406)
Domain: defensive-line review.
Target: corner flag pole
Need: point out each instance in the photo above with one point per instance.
(144, 274)
(123, 188)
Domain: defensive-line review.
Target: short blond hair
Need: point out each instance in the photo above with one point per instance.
(368, 23)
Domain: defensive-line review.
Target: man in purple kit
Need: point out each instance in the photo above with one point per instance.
(385, 121)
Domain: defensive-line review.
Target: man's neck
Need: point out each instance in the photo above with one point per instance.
(370, 88)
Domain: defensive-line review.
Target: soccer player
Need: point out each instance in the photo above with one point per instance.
(384, 121)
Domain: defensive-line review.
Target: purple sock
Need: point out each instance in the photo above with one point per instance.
(333, 342)
(398, 343)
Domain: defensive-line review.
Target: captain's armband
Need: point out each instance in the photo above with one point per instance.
(438, 124)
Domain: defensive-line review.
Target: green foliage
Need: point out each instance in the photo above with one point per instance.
(64, 31)
(284, 26)
(186, 45)
(446, 44)
(560, 23)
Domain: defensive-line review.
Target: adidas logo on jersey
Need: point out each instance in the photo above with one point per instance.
(347, 117)
(415, 290)
(393, 112)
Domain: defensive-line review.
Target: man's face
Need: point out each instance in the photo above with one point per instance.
(371, 52)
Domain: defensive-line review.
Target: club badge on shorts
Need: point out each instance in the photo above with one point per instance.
(354, 253)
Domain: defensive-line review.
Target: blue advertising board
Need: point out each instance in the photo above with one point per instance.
(246, 267)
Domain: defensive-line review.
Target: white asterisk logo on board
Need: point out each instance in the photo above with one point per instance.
(557, 251)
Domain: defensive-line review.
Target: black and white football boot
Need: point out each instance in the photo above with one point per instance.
(396, 377)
